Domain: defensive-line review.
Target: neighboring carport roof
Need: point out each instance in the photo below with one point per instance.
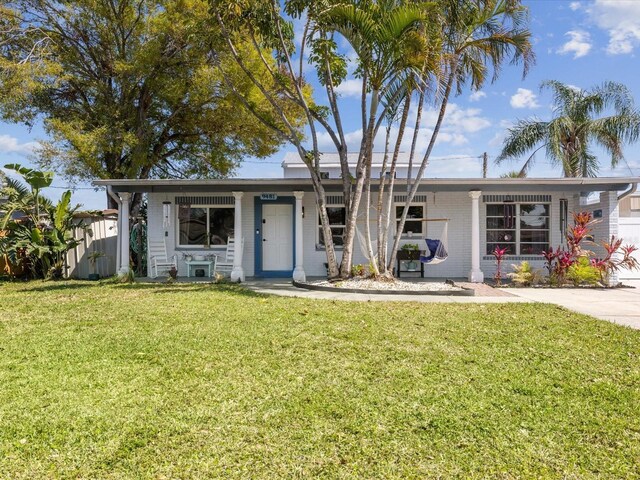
(576, 185)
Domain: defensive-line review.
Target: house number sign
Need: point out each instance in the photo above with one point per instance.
(268, 196)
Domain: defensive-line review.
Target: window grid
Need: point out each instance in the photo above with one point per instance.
(334, 226)
(208, 208)
(399, 207)
(512, 222)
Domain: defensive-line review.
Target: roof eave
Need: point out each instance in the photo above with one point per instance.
(428, 185)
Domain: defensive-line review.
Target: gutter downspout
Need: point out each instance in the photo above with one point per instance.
(119, 202)
(631, 191)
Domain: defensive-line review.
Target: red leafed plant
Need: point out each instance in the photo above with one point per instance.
(580, 231)
(616, 257)
(550, 257)
(498, 253)
(560, 261)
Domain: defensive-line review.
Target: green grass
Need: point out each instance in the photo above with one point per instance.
(198, 381)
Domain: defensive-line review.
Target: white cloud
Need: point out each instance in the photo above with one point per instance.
(497, 139)
(467, 120)
(350, 88)
(458, 123)
(524, 98)
(621, 20)
(477, 95)
(575, 6)
(454, 166)
(579, 44)
(9, 144)
(458, 120)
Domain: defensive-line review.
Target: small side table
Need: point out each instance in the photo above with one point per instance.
(210, 264)
(404, 256)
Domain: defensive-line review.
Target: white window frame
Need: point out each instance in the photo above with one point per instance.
(319, 225)
(423, 222)
(208, 207)
(517, 228)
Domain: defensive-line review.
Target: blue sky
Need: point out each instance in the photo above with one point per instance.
(582, 43)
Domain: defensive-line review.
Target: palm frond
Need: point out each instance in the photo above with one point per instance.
(521, 138)
(20, 189)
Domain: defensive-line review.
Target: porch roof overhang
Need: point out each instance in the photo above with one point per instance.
(569, 185)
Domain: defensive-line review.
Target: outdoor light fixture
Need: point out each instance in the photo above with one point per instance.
(166, 214)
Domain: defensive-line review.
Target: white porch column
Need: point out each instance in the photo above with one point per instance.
(298, 272)
(237, 273)
(123, 213)
(475, 275)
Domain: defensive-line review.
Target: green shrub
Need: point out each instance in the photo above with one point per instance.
(581, 272)
(358, 270)
(524, 275)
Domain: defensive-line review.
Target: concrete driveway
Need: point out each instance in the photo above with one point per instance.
(620, 305)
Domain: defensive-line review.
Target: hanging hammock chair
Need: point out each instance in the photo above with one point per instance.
(438, 248)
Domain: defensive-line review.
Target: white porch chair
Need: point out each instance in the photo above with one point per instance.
(226, 265)
(158, 258)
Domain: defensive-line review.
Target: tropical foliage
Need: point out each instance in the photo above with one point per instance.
(579, 264)
(604, 116)
(407, 54)
(131, 89)
(37, 234)
(498, 253)
(524, 274)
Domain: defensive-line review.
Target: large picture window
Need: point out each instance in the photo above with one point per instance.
(414, 225)
(338, 222)
(522, 228)
(200, 226)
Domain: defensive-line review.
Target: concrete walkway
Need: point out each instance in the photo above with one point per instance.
(619, 305)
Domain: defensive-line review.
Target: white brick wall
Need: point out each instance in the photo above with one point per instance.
(453, 205)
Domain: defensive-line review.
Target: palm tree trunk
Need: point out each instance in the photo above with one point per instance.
(347, 252)
(423, 165)
(414, 141)
(367, 217)
(392, 173)
(382, 254)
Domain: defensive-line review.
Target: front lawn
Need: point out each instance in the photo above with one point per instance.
(198, 381)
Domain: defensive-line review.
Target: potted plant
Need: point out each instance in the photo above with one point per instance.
(187, 257)
(409, 251)
(93, 258)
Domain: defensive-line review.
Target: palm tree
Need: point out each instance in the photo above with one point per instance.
(514, 174)
(478, 36)
(576, 126)
(391, 47)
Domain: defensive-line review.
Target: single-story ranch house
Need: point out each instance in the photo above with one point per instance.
(274, 231)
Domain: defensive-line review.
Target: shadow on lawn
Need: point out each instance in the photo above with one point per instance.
(210, 287)
(157, 288)
(54, 286)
